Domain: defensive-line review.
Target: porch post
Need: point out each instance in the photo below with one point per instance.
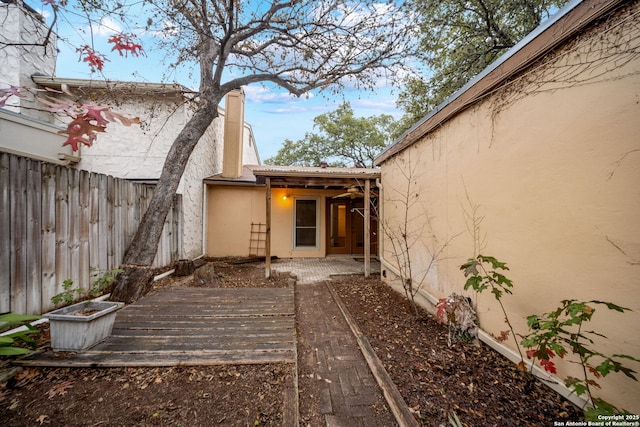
(267, 243)
(367, 227)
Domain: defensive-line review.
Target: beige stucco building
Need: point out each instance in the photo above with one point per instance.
(292, 212)
(537, 163)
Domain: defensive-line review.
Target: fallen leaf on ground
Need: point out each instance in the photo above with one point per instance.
(59, 389)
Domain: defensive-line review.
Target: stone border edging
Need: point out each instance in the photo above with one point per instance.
(394, 399)
(291, 412)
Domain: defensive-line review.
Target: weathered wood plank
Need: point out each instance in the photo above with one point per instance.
(290, 408)
(94, 221)
(62, 228)
(33, 245)
(73, 242)
(246, 335)
(18, 234)
(218, 323)
(119, 191)
(5, 234)
(170, 345)
(83, 217)
(112, 262)
(102, 360)
(49, 278)
(102, 248)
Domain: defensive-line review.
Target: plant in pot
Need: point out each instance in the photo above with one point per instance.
(79, 326)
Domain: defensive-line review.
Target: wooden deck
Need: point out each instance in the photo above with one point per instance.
(194, 326)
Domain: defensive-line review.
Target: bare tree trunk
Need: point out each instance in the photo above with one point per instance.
(136, 278)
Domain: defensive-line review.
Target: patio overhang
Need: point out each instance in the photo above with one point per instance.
(319, 178)
(313, 177)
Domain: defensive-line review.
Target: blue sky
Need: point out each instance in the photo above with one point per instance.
(273, 114)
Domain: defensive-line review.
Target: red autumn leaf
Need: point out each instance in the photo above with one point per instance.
(593, 371)
(112, 116)
(86, 119)
(95, 113)
(442, 310)
(94, 59)
(593, 383)
(60, 389)
(81, 131)
(7, 93)
(548, 366)
(124, 44)
(504, 335)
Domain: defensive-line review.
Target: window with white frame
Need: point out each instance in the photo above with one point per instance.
(305, 222)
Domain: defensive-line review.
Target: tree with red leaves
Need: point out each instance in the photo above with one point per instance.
(296, 45)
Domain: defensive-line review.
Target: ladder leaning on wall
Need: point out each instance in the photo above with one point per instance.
(258, 239)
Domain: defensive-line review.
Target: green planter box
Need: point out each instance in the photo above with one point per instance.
(71, 331)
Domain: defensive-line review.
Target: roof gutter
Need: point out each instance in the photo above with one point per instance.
(59, 82)
(311, 174)
(573, 17)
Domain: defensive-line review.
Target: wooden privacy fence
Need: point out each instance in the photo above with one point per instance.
(58, 223)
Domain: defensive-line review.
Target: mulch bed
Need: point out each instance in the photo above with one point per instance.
(471, 380)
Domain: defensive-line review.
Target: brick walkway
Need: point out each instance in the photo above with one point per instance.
(349, 395)
(311, 270)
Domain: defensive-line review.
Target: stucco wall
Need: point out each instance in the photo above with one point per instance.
(230, 212)
(232, 209)
(250, 154)
(551, 166)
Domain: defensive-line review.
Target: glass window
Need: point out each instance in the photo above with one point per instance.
(306, 227)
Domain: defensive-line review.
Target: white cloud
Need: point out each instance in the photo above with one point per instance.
(297, 109)
(107, 27)
(169, 30)
(264, 95)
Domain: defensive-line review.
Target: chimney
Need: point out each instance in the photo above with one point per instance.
(23, 30)
(233, 134)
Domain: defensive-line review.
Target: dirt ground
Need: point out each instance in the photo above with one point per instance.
(471, 380)
(480, 386)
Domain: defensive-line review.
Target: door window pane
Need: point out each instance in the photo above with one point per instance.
(338, 225)
(305, 223)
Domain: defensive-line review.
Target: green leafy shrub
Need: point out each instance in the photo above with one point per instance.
(103, 281)
(485, 272)
(8, 342)
(68, 295)
(561, 332)
(101, 284)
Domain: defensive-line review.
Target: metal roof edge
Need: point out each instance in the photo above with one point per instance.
(543, 27)
(317, 172)
(113, 84)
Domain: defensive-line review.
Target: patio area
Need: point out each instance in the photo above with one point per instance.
(312, 270)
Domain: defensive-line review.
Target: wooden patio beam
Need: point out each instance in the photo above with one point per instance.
(267, 244)
(367, 228)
